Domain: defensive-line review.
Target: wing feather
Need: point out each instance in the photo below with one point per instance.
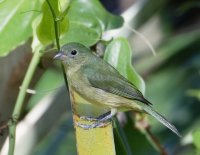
(107, 78)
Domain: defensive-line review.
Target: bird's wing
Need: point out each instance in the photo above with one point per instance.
(109, 79)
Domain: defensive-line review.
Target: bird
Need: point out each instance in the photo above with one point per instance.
(101, 84)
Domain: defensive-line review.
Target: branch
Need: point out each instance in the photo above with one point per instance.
(143, 125)
(20, 101)
(154, 141)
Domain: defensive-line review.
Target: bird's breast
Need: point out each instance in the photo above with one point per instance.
(80, 84)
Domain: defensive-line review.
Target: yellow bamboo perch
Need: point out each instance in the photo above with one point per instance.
(96, 141)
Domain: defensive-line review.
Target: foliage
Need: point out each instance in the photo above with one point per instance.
(12, 22)
(118, 54)
(94, 20)
(172, 76)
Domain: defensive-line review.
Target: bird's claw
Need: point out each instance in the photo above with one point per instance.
(95, 119)
(87, 118)
(98, 122)
(92, 126)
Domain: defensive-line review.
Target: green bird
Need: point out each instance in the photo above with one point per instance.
(99, 83)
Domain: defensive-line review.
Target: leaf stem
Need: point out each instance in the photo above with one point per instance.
(56, 28)
(20, 101)
(154, 142)
(56, 24)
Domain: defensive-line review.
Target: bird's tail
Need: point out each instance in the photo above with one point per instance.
(161, 119)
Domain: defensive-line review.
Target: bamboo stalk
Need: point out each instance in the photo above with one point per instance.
(98, 141)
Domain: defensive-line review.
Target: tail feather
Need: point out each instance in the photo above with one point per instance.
(161, 119)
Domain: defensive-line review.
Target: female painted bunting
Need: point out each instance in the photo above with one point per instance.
(100, 83)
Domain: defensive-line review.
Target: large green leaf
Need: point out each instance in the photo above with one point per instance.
(194, 93)
(15, 23)
(86, 24)
(196, 139)
(119, 54)
(45, 30)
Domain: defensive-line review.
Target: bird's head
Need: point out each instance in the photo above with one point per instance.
(73, 54)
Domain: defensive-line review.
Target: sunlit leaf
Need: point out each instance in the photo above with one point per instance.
(36, 44)
(119, 54)
(194, 93)
(45, 29)
(86, 24)
(196, 139)
(15, 23)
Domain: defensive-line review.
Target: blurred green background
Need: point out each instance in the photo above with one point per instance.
(172, 79)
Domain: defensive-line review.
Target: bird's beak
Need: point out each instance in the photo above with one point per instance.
(60, 56)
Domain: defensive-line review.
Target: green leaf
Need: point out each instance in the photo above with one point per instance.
(45, 29)
(196, 139)
(15, 23)
(95, 11)
(86, 24)
(36, 44)
(119, 55)
(121, 140)
(194, 93)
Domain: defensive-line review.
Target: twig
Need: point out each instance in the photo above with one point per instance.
(20, 101)
(143, 125)
(155, 141)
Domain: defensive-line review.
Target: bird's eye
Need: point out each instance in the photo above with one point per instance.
(74, 52)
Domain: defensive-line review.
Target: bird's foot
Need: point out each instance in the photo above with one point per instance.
(92, 126)
(100, 121)
(94, 119)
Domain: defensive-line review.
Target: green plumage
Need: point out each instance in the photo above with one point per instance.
(100, 83)
(107, 78)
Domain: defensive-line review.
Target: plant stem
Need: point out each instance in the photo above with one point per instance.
(56, 24)
(57, 36)
(20, 100)
(143, 125)
(154, 142)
